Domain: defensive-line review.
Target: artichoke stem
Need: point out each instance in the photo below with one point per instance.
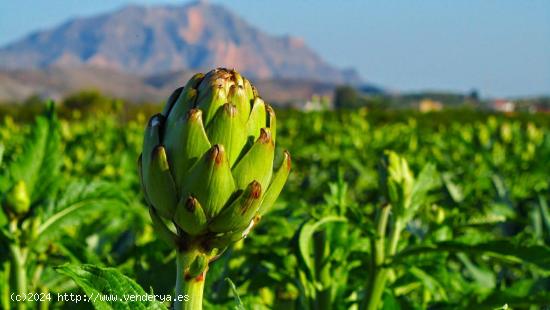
(323, 298)
(380, 256)
(18, 263)
(189, 290)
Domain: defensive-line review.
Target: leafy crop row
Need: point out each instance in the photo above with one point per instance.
(412, 213)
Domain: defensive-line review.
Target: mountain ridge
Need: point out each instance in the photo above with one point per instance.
(147, 40)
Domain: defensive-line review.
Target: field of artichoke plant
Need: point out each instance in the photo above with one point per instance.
(381, 209)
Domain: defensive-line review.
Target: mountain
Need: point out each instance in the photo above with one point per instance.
(158, 39)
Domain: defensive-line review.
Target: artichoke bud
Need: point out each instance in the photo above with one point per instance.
(398, 181)
(190, 216)
(240, 212)
(207, 160)
(17, 199)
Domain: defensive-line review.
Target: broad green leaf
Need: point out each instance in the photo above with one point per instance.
(484, 277)
(537, 255)
(427, 180)
(39, 163)
(454, 189)
(305, 239)
(76, 205)
(521, 295)
(389, 302)
(109, 282)
(431, 283)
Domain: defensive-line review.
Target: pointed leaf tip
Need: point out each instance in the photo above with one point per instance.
(159, 153)
(156, 120)
(255, 189)
(194, 115)
(190, 216)
(287, 160)
(171, 100)
(191, 204)
(237, 215)
(255, 192)
(230, 109)
(217, 154)
(265, 136)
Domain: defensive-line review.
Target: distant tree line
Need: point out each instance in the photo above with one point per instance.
(350, 97)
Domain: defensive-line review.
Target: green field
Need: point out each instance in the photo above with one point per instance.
(446, 210)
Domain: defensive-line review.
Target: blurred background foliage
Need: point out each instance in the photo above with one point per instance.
(312, 251)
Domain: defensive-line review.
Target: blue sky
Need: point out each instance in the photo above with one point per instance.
(501, 47)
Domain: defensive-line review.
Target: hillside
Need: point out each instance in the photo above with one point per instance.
(58, 82)
(158, 39)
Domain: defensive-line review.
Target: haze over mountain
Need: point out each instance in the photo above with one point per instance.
(159, 39)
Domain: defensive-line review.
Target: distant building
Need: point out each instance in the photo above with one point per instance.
(317, 103)
(429, 105)
(503, 105)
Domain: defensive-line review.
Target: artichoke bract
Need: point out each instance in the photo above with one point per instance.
(207, 163)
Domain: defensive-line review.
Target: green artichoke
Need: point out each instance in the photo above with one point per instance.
(17, 201)
(207, 162)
